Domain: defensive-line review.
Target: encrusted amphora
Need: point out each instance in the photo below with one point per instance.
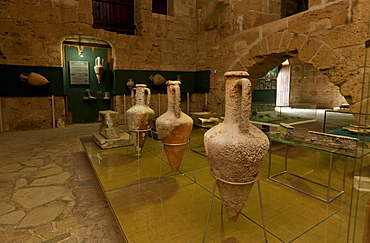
(174, 126)
(236, 148)
(99, 68)
(140, 116)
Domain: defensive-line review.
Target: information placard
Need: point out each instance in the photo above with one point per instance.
(79, 72)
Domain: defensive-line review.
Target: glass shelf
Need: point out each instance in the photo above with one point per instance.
(271, 115)
(340, 122)
(300, 141)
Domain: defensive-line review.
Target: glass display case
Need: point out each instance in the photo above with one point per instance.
(323, 177)
(272, 115)
(345, 123)
(359, 226)
(205, 119)
(175, 207)
(337, 119)
(335, 176)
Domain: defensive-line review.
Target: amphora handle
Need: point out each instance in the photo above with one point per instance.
(24, 77)
(148, 96)
(133, 96)
(175, 89)
(245, 102)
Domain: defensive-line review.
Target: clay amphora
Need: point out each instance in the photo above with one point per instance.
(235, 148)
(130, 83)
(174, 126)
(157, 79)
(140, 116)
(99, 68)
(34, 79)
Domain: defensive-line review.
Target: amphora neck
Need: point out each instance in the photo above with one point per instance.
(138, 95)
(174, 96)
(238, 99)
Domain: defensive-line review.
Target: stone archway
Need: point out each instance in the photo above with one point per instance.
(268, 52)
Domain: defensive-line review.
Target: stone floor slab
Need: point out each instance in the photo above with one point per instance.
(37, 196)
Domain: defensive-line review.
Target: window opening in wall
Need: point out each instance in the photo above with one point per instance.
(159, 6)
(283, 85)
(265, 90)
(290, 7)
(114, 15)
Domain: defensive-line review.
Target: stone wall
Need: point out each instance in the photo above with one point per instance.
(224, 36)
(310, 86)
(32, 33)
(330, 36)
(27, 113)
(216, 35)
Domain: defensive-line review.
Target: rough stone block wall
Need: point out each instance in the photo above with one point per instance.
(310, 86)
(216, 35)
(32, 33)
(28, 113)
(330, 36)
(226, 30)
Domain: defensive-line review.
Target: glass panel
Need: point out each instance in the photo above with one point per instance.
(176, 207)
(272, 115)
(359, 226)
(301, 141)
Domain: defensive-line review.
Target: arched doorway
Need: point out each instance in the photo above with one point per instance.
(86, 94)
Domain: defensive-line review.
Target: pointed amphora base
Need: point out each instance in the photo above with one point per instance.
(140, 124)
(139, 139)
(178, 135)
(174, 155)
(233, 198)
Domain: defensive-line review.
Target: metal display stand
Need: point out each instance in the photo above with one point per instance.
(235, 183)
(177, 144)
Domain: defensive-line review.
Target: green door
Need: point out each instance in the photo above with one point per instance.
(80, 76)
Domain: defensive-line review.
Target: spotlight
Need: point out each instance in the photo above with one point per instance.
(80, 52)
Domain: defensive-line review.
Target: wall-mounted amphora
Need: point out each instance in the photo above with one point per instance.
(34, 79)
(99, 68)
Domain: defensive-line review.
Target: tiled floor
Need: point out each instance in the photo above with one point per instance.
(48, 190)
(49, 193)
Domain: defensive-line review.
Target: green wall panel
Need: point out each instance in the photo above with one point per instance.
(11, 84)
(202, 82)
(87, 110)
(195, 82)
(264, 96)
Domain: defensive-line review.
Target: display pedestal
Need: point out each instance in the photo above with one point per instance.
(178, 144)
(104, 143)
(234, 183)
